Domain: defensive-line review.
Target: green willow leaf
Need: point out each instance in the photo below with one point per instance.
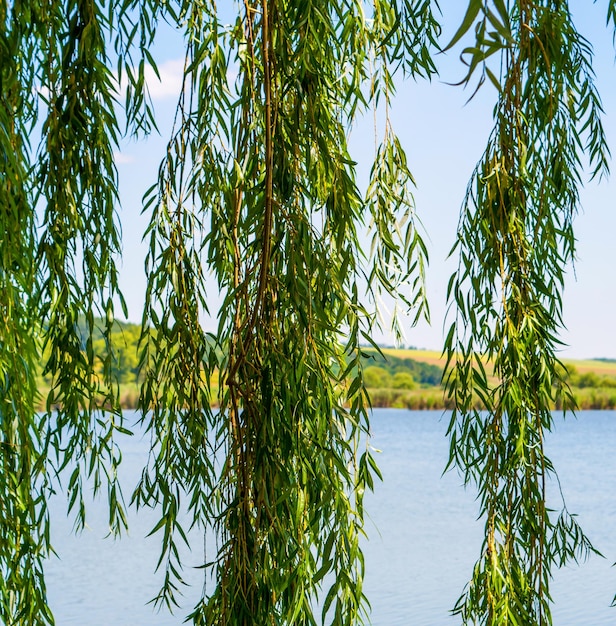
(474, 7)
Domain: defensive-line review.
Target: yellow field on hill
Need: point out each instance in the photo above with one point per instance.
(425, 356)
(602, 368)
(593, 383)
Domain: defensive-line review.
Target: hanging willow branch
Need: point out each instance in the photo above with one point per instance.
(515, 240)
(58, 242)
(259, 188)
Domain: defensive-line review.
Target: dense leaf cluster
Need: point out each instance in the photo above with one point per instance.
(59, 239)
(259, 189)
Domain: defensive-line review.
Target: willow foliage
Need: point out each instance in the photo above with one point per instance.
(515, 239)
(258, 191)
(258, 187)
(58, 240)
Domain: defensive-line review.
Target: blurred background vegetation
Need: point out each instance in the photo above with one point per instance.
(397, 378)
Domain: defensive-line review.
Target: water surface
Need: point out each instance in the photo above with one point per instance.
(424, 538)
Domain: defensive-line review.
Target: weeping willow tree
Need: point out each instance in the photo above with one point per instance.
(258, 186)
(515, 240)
(258, 190)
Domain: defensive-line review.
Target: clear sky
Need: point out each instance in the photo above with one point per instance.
(444, 138)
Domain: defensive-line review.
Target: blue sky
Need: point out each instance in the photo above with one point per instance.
(444, 138)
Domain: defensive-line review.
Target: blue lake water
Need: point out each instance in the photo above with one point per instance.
(423, 535)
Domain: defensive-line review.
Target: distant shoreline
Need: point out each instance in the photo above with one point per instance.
(593, 382)
(429, 399)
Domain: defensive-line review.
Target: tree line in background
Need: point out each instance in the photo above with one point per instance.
(394, 380)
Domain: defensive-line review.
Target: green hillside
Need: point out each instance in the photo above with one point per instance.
(395, 378)
(593, 381)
